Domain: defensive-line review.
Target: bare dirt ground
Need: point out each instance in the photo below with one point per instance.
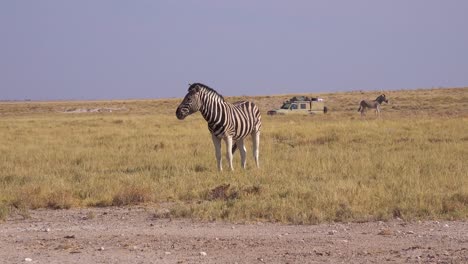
(136, 235)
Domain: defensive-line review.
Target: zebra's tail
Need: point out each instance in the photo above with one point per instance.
(234, 147)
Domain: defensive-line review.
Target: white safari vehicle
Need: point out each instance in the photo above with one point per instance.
(301, 105)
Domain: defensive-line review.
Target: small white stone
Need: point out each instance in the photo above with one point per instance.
(203, 253)
(167, 253)
(101, 249)
(28, 259)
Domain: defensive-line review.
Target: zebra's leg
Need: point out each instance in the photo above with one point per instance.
(243, 151)
(256, 145)
(217, 145)
(229, 151)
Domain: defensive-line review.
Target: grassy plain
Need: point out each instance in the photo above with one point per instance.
(411, 163)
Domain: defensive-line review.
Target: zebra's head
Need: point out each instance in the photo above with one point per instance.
(190, 104)
(382, 98)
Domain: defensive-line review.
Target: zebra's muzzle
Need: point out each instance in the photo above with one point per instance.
(181, 113)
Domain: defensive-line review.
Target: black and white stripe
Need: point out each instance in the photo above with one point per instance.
(230, 122)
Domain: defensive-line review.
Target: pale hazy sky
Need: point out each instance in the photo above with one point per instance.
(116, 49)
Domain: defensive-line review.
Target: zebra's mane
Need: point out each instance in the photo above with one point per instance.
(380, 96)
(192, 86)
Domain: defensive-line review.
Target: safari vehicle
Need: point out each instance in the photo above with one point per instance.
(301, 105)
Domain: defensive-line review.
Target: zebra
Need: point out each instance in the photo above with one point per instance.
(229, 122)
(375, 104)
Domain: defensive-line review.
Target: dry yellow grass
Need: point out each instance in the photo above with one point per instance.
(412, 163)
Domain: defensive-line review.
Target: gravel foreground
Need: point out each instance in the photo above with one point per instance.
(139, 235)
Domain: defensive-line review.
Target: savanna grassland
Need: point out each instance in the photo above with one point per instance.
(412, 163)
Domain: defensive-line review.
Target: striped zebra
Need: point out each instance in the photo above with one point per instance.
(231, 122)
(375, 104)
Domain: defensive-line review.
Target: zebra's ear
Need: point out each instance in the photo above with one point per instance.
(194, 88)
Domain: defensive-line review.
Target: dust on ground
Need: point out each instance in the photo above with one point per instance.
(140, 235)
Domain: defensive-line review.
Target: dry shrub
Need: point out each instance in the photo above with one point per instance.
(161, 213)
(181, 210)
(255, 189)
(20, 208)
(200, 168)
(223, 192)
(32, 197)
(159, 146)
(132, 195)
(313, 217)
(101, 203)
(60, 199)
(455, 203)
(4, 212)
(440, 140)
(403, 140)
(343, 212)
(332, 137)
(396, 213)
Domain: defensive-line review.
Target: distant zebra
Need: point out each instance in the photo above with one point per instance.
(375, 104)
(231, 122)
